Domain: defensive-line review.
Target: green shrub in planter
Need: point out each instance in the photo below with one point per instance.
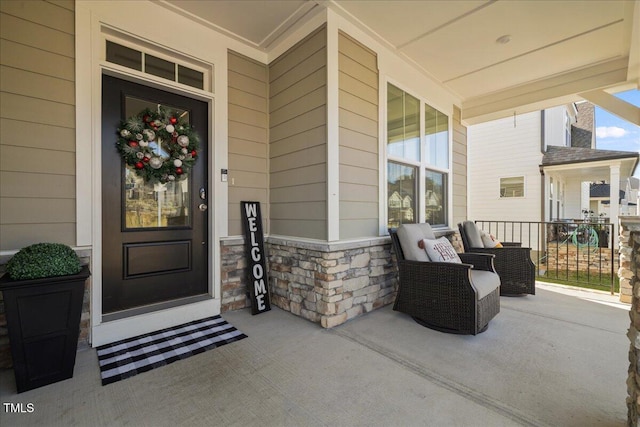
(43, 260)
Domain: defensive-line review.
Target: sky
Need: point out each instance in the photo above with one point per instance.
(614, 133)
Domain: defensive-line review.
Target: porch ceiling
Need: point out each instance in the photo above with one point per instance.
(592, 171)
(496, 56)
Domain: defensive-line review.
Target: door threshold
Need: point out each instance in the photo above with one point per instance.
(123, 314)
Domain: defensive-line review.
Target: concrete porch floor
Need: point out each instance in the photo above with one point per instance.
(553, 359)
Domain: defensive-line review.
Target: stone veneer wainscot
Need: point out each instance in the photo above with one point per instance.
(322, 282)
(630, 290)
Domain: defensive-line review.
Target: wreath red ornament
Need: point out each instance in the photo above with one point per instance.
(161, 146)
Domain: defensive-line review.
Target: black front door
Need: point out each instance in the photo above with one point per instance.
(154, 236)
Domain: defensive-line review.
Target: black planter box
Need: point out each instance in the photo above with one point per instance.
(43, 318)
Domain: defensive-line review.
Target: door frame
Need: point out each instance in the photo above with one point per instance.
(102, 331)
(95, 22)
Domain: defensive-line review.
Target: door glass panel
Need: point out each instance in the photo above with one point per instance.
(150, 205)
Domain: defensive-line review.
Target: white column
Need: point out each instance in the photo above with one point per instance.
(585, 195)
(614, 197)
(333, 131)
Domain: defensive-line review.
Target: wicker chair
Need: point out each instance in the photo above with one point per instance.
(448, 297)
(513, 262)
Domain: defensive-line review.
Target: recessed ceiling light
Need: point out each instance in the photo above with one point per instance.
(503, 39)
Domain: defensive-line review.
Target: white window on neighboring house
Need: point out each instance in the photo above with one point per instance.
(512, 187)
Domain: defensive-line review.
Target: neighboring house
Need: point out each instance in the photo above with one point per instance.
(632, 195)
(549, 175)
(600, 200)
(341, 118)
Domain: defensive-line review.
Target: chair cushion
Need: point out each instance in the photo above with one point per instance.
(441, 250)
(473, 235)
(489, 241)
(484, 281)
(409, 235)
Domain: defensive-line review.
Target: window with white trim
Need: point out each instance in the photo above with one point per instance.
(418, 164)
(512, 187)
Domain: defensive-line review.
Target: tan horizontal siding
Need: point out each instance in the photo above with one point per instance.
(241, 162)
(247, 99)
(28, 58)
(300, 227)
(299, 193)
(239, 64)
(36, 110)
(357, 51)
(353, 68)
(311, 101)
(351, 102)
(315, 62)
(248, 138)
(57, 15)
(247, 84)
(312, 156)
(40, 185)
(357, 158)
(358, 227)
(248, 116)
(298, 54)
(353, 85)
(315, 80)
(250, 148)
(359, 193)
(22, 210)
(237, 129)
(25, 159)
(301, 141)
(35, 35)
(358, 210)
(299, 176)
(37, 86)
(296, 210)
(356, 122)
(358, 141)
(354, 174)
(459, 169)
(358, 131)
(15, 236)
(12, 132)
(37, 123)
(312, 119)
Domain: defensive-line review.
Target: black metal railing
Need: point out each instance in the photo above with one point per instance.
(572, 252)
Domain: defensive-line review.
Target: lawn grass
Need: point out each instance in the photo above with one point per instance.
(598, 281)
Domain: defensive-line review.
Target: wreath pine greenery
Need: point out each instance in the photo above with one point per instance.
(161, 146)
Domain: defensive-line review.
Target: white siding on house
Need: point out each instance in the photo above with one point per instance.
(554, 126)
(572, 199)
(498, 149)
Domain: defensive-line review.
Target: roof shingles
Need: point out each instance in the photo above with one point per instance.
(566, 155)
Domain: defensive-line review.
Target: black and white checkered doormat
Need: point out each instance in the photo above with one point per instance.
(126, 358)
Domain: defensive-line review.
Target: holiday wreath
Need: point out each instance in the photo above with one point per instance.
(160, 145)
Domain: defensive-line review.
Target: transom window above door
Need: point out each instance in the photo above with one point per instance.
(154, 65)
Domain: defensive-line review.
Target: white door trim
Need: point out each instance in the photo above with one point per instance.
(92, 18)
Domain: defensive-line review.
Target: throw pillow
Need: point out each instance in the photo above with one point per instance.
(489, 241)
(440, 250)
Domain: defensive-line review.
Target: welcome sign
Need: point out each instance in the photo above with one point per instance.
(256, 262)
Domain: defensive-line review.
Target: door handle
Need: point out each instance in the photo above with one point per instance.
(202, 207)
